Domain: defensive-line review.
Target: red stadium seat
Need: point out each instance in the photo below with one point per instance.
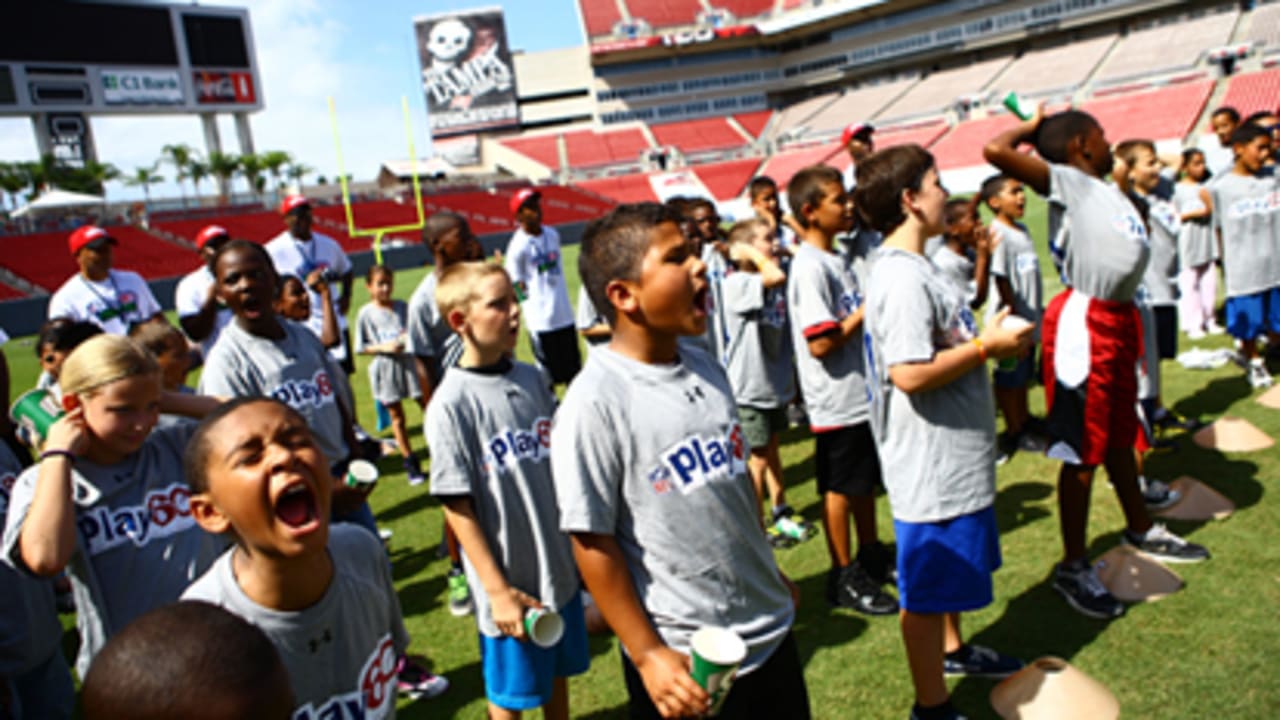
(622, 188)
(544, 149)
(754, 122)
(1135, 115)
(588, 148)
(599, 16)
(726, 180)
(1251, 92)
(8, 292)
(665, 13)
(698, 135)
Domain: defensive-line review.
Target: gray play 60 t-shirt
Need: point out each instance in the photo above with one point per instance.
(342, 652)
(938, 444)
(654, 456)
(490, 438)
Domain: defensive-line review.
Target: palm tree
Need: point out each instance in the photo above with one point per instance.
(296, 171)
(197, 170)
(274, 162)
(251, 169)
(146, 177)
(96, 175)
(13, 178)
(223, 166)
(179, 156)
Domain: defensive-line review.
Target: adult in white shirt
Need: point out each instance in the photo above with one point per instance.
(537, 270)
(313, 257)
(856, 140)
(200, 313)
(114, 300)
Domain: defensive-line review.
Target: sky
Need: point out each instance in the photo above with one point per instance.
(360, 53)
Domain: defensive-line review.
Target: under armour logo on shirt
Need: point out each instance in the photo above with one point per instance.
(314, 643)
(694, 394)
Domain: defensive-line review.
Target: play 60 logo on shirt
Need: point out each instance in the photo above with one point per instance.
(513, 446)
(161, 514)
(696, 461)
(298, 394)
(375, 696)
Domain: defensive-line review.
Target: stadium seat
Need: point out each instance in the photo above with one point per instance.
(8, 292)
(699, 135)
(726, 180)
(544, 149)
(1251, 92)
(599, 16)
(1135, 115)
(860, 104)
(1170, 46)
(664, 13)
(924, 135)
(745, 8)
(1264, 28)
(962, 147)
(588, 148)
(622, 188)
(754, 122)
(939, 90)
(783, 165)
(1058, 68)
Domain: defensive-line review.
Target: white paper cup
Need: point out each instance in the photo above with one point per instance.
(717, 652)
(544, 626)
(1012, 322)
(361, 473)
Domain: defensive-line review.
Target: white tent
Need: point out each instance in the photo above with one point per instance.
(58, 200)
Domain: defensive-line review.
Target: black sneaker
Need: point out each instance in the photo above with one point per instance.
(1156, 493)
(979, 661)
(1161, 544)
(1080, 587)
(851, 587)
(879, 563)
(1006, 446)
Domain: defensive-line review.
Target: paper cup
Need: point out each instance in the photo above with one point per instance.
(1018, 106)
(1012, 322)
(544, 626)
(717, 652)
(361, 473)
(35, 410)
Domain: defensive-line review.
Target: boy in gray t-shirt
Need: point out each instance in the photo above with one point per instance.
(489, 428)
(760, 365)
(934, 425)
(1091, 339)
(1246, 216)
(650, 470)
(824, 304)
(323, 595)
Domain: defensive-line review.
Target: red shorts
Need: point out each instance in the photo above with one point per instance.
(1091, 351)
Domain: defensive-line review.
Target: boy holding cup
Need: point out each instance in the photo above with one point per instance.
(489, 428)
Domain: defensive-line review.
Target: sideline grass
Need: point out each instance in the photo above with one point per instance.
(1207, 651)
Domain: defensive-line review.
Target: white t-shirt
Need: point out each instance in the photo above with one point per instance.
(113, 304)
(292, 256)
(535, 261)
(189, 298)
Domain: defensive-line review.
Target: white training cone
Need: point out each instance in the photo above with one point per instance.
(1198, 502)
(1270, 398)
(1050, 688)
(1133, 577)
(1230, 434)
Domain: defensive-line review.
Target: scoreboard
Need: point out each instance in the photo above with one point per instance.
(115, 58)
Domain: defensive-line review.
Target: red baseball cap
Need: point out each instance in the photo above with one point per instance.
(854, 130)
(86, 236)
(522, 196)
(209, 233)
(293, 202)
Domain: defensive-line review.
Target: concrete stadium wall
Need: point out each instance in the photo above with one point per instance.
(25, 316)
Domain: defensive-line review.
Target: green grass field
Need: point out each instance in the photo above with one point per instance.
(1202, 652)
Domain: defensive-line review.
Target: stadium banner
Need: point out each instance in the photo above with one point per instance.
(223, 88)
(679, 38)
(141, 87)
(467, 74)
(680, 183)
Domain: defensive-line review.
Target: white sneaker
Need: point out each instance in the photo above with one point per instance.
(1196, 334)
(1258, 375)
(1214, 328)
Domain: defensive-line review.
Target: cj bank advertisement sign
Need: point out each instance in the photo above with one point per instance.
(141, 87)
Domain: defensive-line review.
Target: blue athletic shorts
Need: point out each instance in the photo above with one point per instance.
(519, 675)
(1249, 316)
(946, 566)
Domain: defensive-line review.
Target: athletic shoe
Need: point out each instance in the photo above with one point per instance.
(1167, 419)
(416, 682)
(795, 527)
(1162, 544)
(1195, 334)
(416, 478)
(797, 416)
(1080, 587)
(1157, 494)
(1006, 446)
(879, 563)
(1029, 442)
(459, 594)
(778, 539)
(1213, 328)
(979, 661)
(1258, 375)
(851, 587)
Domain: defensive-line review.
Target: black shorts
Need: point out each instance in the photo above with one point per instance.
(348, 362)
(557, 351)
(1166, 330)
(847, 461)
(776, 689)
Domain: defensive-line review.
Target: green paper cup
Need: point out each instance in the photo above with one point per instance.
(361, 474)
(1018, 106)
(717, 652)
(1012, 322)
(544, 626)
(34, 411)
